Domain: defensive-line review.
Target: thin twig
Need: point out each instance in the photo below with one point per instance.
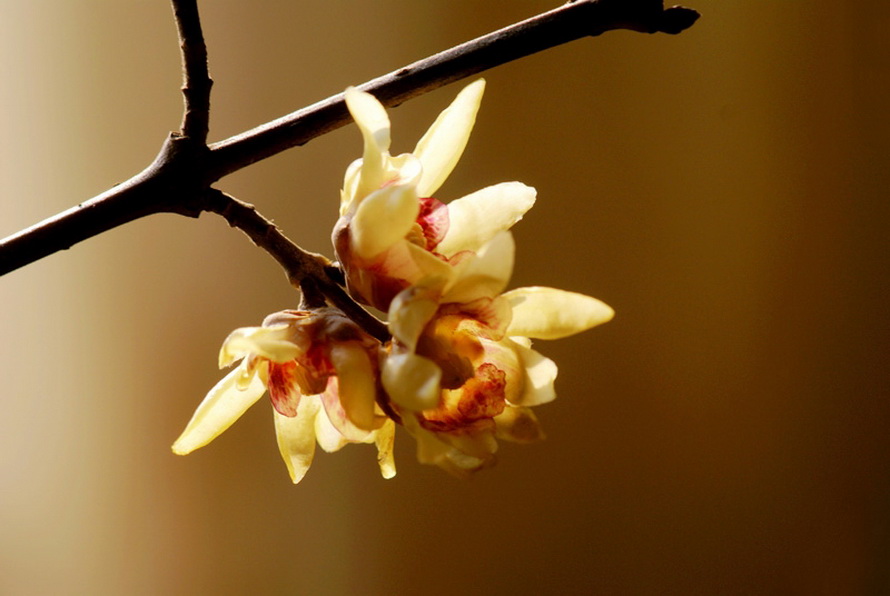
(178, 180)
(572, 21)
(300, 266)
(196, 81)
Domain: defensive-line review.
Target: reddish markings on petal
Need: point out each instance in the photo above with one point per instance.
(315, 368)
(483, 317)
(433, 221)
(458, 257)
(283, 388)
(483, 395)
(453, 349)
(471, 407)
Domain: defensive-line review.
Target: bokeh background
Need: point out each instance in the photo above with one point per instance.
(726, 190)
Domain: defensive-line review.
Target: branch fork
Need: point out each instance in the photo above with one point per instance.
(181, 177)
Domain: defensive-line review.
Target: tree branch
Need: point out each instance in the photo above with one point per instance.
(581, 18)
(180, 177)
(308, 271)
(196, 81)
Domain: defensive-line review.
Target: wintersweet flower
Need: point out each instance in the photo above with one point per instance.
(460, 371)
(462, 374)
(320, 370)
(392, 232)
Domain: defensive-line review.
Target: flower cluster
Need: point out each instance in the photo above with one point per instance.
(459, 372)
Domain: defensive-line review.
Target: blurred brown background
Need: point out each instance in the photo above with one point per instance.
(725, 190)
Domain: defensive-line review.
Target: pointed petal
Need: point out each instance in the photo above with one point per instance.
(372, 121)
(385, 440)
(485, 275)
(296, 438)
(441, 147)
(412, 381)
(272, 343)
(540, 373)
(548, 313)
(382, 219)
(224, 404)
(356, 383)
(478, 217)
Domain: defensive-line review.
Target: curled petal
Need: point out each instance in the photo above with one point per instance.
(336, 418)
(357, 387)
(411, 310)
(442, 145)
(540, 374)
(272, 343)
(224, 404)
(296, 438)
(397, 268)
(371, 118)
(412, 381)
(432, 449)
(478, 217)
(480, 446)
(486, 274)
(433, 221)
(548, 313)
(382, 219)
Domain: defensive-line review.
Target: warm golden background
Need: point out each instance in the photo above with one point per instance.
(726, 190)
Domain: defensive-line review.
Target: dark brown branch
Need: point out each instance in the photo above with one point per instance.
(167, 185)
(196, 82)
(304, 269)
(569, 22)
(178, 180)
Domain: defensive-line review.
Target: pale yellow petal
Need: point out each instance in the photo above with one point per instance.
(371, 118)
(430, 450)
(385, 440)
(412, 381)
(479, 446)
(476, 218)
(336, 417)
(328, 436)
(350, 186)
(539, 373)
(411, 310)
(407, 261)
(548, 313)
(356, 381)
(484, 275)
(441, 147)
(383, 218)
(296, 438)
(272, 343)
(224, 404)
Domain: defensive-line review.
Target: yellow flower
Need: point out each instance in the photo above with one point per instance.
(392, 233)
(460, 371)
(320, 369)
(463, 374)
